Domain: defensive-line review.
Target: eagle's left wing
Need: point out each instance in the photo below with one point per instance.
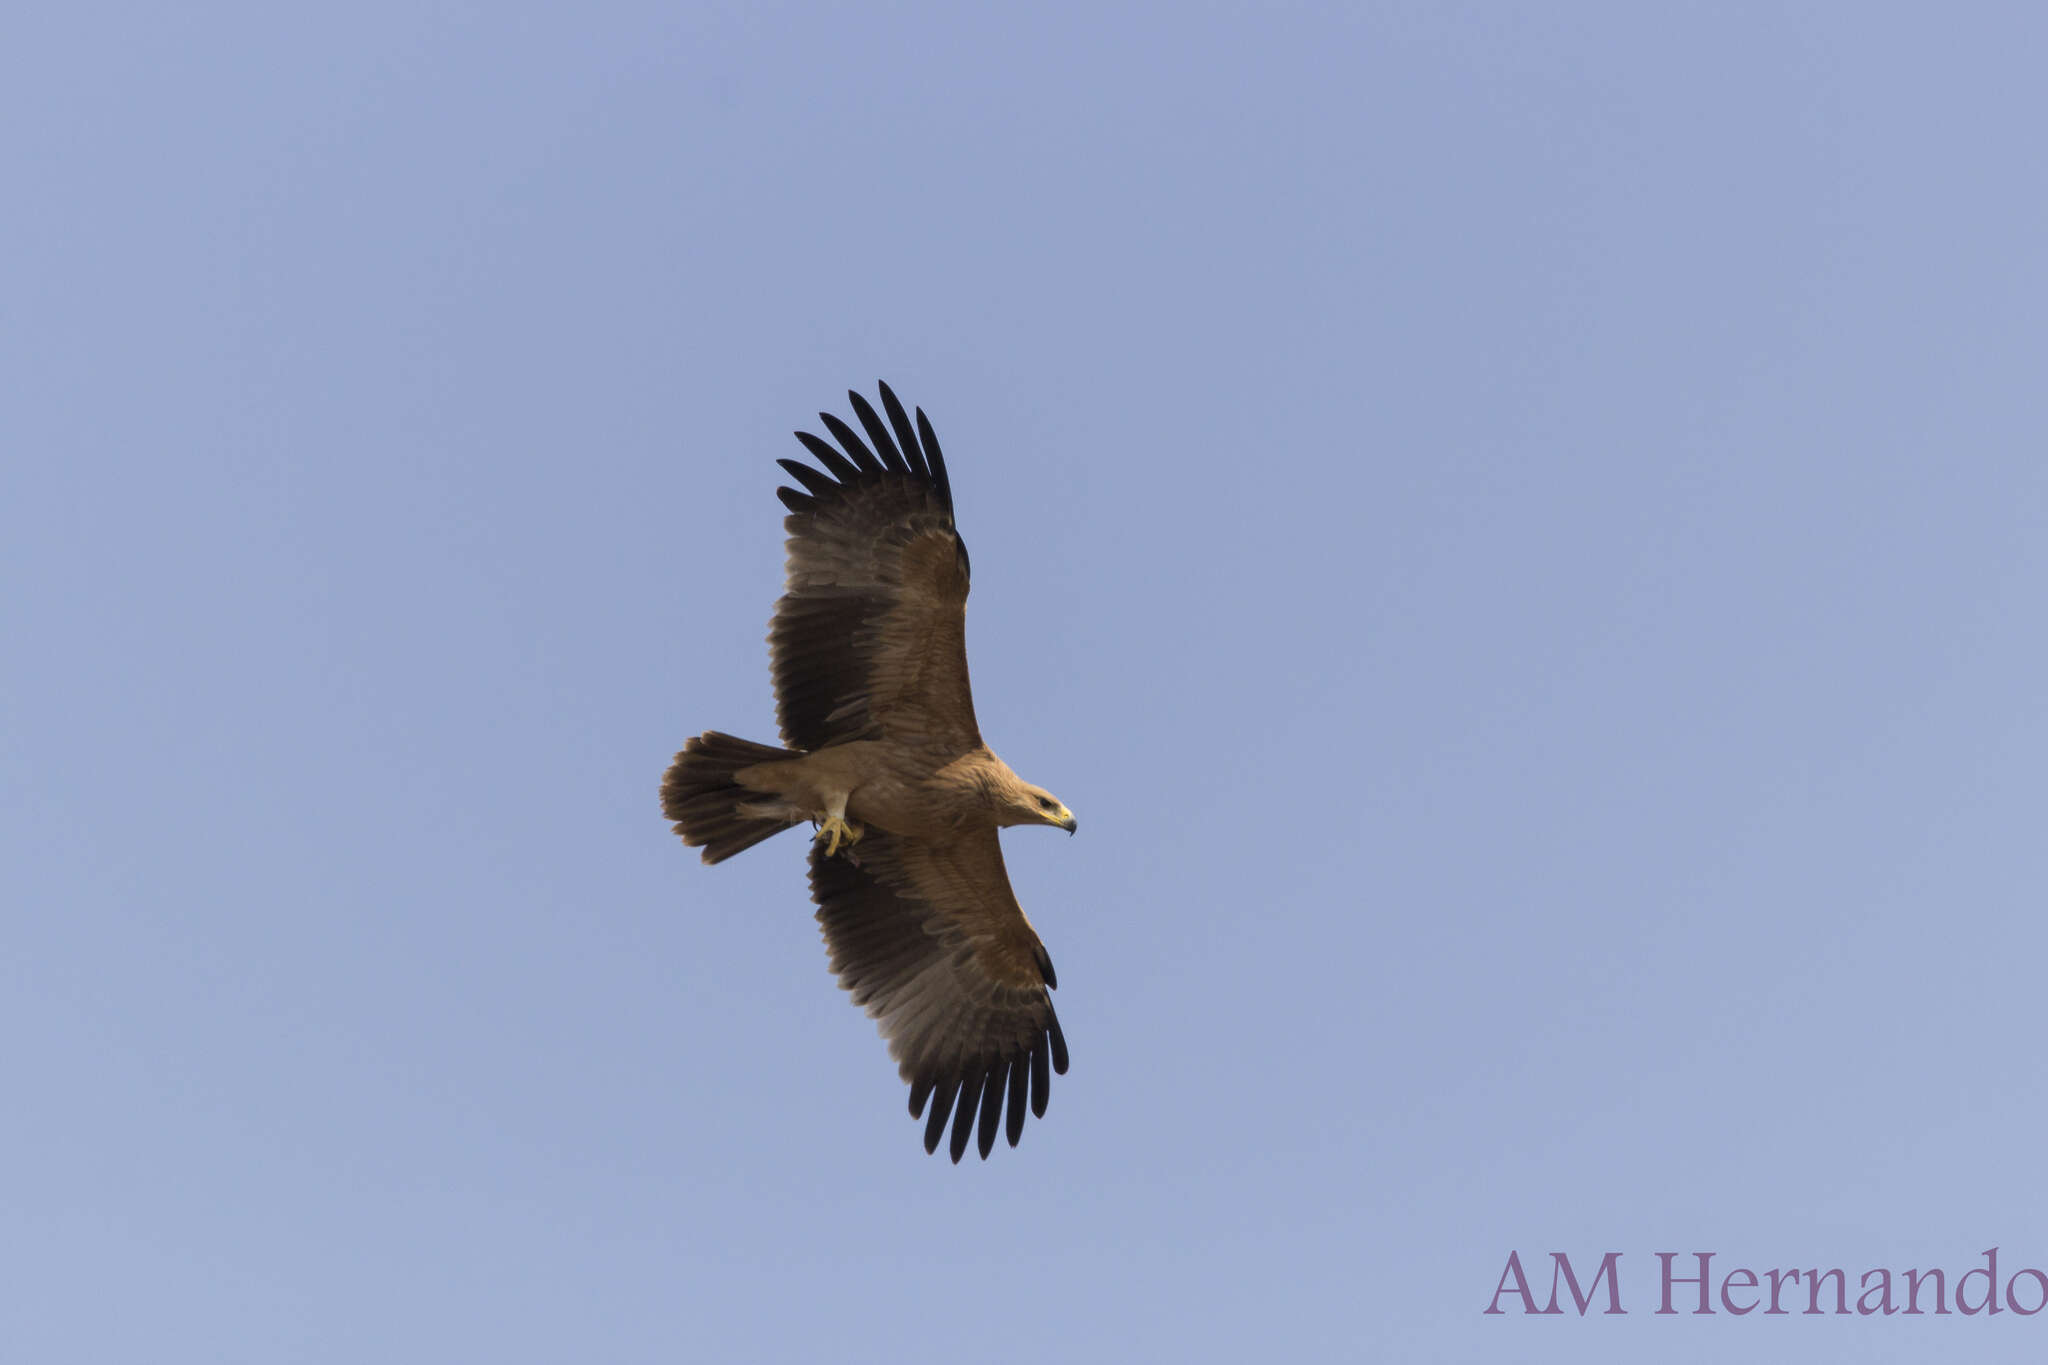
(931, 941)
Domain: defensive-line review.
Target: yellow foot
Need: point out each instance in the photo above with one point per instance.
(832, 829)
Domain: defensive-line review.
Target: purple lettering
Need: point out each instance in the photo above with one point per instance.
(1514, 1270)
(1989, 1270)
(1705, 1257)
(1748, 1282)
(2012, 1295)
(1883, 1288)
(1813, 1279)
(1913, 1279)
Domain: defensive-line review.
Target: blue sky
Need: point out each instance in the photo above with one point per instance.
(1518, 530)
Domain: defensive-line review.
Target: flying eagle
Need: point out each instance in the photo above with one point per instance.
(869, 653)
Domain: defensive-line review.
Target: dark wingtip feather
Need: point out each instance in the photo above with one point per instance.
(839, 466)
(906, 435)
(1059, 1040)
(1052, 980)
(935, 458)
(851, 444)
(892, 458)
(912, 450)
(1041, 1082)
(816, 484)
(795, 501)
(942, 1109)
(992, 1088)
(1014, 1128)
(919, 1093)
(963, 1116)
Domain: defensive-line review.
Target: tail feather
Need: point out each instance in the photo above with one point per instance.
(709, 808)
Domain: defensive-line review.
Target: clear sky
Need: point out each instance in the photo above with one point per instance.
(1520, 531)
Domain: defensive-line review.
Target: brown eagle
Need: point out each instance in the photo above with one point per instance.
(868, 647)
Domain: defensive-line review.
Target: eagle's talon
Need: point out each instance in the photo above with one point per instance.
(832, 829)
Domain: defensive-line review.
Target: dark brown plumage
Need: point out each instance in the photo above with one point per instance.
(869, 656)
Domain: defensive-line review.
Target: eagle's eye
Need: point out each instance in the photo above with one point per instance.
(1044, 803)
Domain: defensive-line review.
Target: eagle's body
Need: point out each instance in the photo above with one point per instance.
(912, 792)
(883, 754)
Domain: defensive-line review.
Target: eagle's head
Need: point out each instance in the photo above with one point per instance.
(1029, 805)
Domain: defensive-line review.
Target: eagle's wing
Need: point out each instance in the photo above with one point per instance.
(932, 942)
(869, 638)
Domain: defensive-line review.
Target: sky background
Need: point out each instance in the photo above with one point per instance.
(1520, 531)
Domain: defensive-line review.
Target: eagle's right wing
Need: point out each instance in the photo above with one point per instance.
(869, 637)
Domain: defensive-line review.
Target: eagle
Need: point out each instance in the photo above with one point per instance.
(882, 754)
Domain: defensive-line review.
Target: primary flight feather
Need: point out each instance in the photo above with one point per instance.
(882, 753)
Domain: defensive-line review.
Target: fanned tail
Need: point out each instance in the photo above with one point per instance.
(713, 811)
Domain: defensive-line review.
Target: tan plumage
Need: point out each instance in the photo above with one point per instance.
(869, 654)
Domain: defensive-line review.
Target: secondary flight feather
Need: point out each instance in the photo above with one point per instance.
(882, 753)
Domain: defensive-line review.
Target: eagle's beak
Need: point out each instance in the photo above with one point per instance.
(1067, 821)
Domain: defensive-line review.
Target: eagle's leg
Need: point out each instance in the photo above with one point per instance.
(835, 826)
